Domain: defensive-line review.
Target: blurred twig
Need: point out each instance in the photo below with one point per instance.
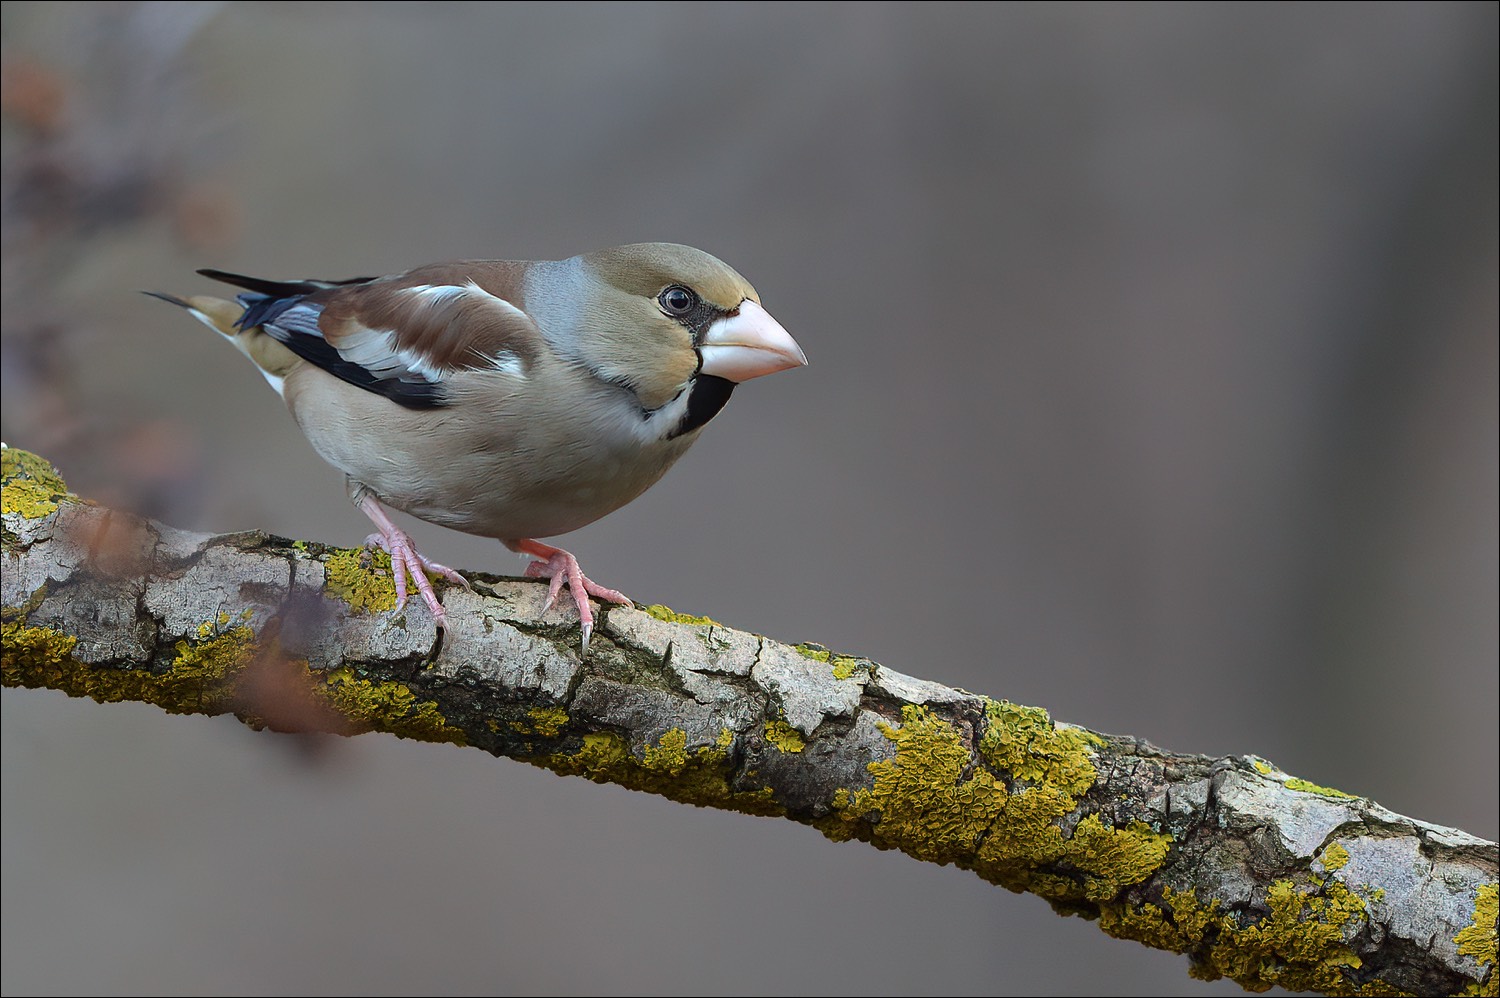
(104, 135)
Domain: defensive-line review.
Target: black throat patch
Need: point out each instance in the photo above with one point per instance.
(706, 396)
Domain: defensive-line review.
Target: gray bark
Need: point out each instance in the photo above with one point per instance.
(1252, 873)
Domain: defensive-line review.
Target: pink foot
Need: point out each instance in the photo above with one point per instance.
(559, 566)
(407, 561)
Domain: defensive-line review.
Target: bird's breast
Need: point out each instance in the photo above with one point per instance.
(506, 464)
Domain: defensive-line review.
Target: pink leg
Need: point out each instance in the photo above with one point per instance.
(405, 559)
(559, 566)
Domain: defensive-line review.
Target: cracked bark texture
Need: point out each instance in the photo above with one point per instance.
(1254, 874)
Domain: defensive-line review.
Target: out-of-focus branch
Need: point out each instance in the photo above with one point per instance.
(105, 135)
(1256, 875)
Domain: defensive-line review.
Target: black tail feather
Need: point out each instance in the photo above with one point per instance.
(278, 289)
(169, 299)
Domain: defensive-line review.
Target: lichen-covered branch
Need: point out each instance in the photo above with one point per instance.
(1254, 874)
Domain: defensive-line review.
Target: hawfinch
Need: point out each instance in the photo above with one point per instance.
(510, 399)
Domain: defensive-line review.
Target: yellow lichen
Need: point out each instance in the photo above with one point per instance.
(815, 652)
(1335, 857)
(362, 578)
(842, 666)
(1479, 939)
(1112, 858)
(202, 673)
(205, 676)
(920, 800)
(931, 802)
(1377, 987)
(1299, 944)
(693, 776)
(200, 678)
(386, 705)
(29, 499)
(1024, 742)
(29, 486)
(784, 736)
(1304, 932)
(1308, 787)
(671, 616)
(37, 657)
(1296, 783)
(547, 721)
(669, 755)
(601, 751)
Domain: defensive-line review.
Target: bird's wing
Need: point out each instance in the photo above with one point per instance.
(401, 337)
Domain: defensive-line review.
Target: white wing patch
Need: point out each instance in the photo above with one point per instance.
(509, 362)
(494, 301)
(375, 351)
(436, 295)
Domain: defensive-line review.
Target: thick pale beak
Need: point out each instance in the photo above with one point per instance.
(747, 345)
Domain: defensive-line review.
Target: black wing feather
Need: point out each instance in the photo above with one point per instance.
(305, 340)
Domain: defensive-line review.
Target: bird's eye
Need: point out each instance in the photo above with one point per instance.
(677, 300)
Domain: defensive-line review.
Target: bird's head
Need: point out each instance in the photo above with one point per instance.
(657, 315)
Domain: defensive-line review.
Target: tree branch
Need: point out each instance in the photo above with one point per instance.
(1255, 875)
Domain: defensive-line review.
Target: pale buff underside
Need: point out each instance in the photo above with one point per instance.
(508, 459)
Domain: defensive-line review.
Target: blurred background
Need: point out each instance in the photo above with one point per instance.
(1153, 381)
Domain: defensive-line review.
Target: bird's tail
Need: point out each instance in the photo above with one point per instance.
(217, 314)
(223, 317)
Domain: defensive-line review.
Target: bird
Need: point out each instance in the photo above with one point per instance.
(510, 399)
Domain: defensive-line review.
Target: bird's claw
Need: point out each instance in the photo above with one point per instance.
(559, 567)
(408, 562)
